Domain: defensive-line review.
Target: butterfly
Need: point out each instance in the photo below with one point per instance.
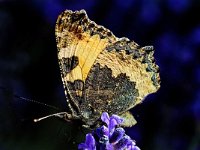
(100, 72)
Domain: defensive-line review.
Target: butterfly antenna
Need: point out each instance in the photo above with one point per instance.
(34, 101)
(62, 115)
(26, 99)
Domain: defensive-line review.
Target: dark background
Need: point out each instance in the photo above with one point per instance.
(167, 120)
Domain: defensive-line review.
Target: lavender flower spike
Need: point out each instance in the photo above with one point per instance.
(109, 137)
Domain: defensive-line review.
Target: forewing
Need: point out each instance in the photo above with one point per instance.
(79, 42)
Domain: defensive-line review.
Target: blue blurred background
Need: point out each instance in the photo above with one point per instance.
(167, 120)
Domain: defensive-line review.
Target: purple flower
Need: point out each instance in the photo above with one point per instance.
(117, 135)
(89, 143)
(110, 137)
(132, 146)
(111, 122)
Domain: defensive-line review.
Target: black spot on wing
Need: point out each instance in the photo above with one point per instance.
(130, 47)
(77, 16)
(68, 64)
(74, 88)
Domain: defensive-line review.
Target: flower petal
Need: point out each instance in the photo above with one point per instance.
(101, 131)
(118, 119)
(90, 142)
(82, 146)
(105, 118)
(112, 125)
(109, 147)
(132, 146)
(135, 148)
(114, 121)
(117, 135)
(123, 143)
(105, 130)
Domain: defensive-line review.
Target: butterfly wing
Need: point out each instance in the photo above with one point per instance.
(101, 72)
(123, 74)
(79, 43)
